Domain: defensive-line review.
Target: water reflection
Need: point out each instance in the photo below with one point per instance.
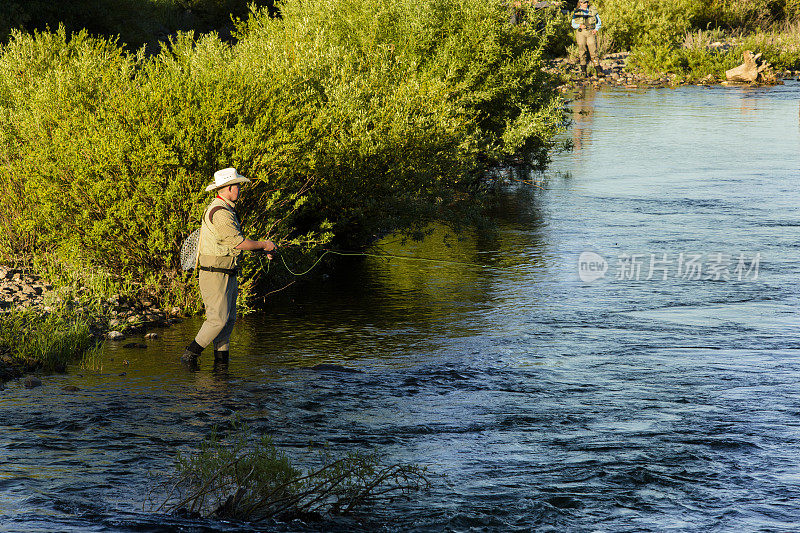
(582, 111)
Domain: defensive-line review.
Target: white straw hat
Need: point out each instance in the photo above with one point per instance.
(226, 176)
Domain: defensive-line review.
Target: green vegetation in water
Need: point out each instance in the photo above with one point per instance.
(44, 341)
(693, 39)
(353, 119)
(246, 477)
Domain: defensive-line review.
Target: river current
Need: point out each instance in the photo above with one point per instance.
(623, 354)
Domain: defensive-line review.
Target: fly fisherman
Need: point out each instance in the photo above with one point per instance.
(220, 243)
(586, 22)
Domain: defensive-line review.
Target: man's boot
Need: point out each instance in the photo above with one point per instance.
(192, 353)
(221, 356)
(584, 72)
(599, 70)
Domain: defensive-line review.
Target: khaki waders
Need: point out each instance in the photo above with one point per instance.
(219, 293)
(587, 48)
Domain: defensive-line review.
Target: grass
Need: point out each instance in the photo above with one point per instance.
(44, 341)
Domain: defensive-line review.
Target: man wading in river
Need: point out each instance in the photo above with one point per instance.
(586, 22)
(220, 243)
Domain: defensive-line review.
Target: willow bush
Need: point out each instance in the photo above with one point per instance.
(352, 119)
(245, 476)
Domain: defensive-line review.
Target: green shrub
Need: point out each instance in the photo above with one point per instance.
(659, 23)
(353, 120)
(697, 58)
(246, 477)
(632, 23)
(675, 36)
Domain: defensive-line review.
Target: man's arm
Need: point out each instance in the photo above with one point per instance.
(247, 244)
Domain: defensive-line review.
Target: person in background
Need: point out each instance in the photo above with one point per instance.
(586, 22)
(220, 243)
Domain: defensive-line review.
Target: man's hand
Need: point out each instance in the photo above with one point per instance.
(270, 248)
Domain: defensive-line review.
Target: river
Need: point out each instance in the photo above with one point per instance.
(623, 354)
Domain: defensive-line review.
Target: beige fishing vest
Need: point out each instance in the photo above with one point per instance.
(590, 20)
(211, 249)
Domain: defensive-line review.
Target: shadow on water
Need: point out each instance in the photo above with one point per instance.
(642, 400)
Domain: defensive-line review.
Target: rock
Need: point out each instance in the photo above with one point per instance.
(151, 336)
(133, 319)
(114, 322)
(70, 388)
(135, 345)
(115, 336)
(175, 311)
(31, 382)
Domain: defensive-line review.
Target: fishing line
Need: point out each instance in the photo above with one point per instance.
(381, 256)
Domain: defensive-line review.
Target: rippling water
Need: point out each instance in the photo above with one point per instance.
(626, 403)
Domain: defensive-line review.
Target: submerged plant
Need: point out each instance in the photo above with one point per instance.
(248, 478)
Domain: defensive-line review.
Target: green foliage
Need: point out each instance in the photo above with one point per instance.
(46, 341)
(632, 23)
(636, 23)
(248, 478)
(748, 15)
(675, 35)
(136, 22)
(780, 45)
(698, 58)
(352, 119)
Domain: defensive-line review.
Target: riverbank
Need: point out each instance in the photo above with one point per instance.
(44, 328)
(618, 73)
